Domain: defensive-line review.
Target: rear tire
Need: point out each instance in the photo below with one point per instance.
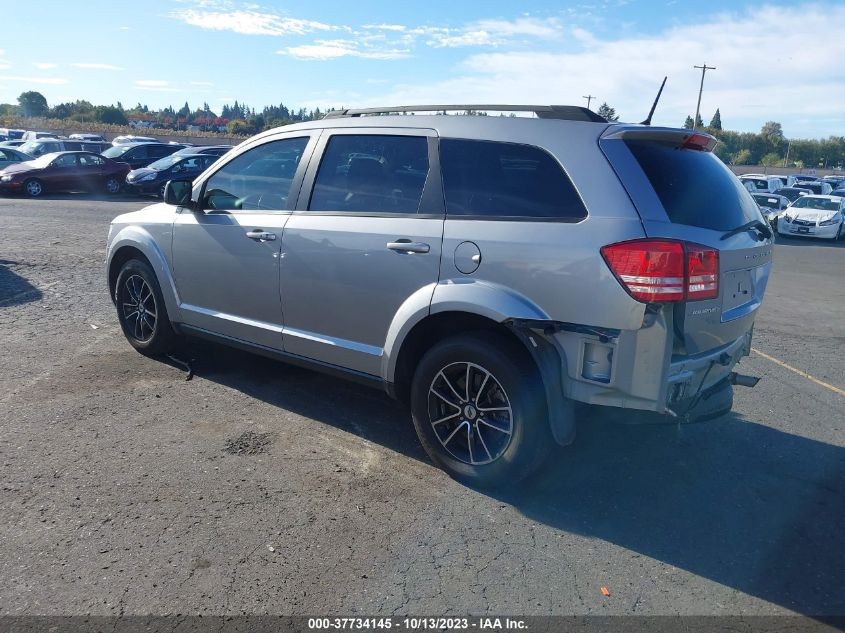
(33, 187)
(141, 310)
(493, 434)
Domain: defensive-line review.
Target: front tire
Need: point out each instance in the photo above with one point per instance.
(33, 187)
(141, 310)
(479, 409)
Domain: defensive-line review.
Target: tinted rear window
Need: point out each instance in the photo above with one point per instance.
(487, 178)
(694, 187)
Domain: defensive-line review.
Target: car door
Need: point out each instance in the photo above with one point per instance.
(226, 252)
(91, 170)
(62, 173)
(366, 235)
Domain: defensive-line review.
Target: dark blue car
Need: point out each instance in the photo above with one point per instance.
(153, 177)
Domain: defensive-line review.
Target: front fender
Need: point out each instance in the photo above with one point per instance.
(471, 296)
(139, 238)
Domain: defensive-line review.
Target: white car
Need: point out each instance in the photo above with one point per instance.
(814, 216)
(131, 138)
(761, 184)
(771, 205)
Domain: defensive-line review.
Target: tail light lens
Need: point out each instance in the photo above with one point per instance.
(702, 272)
(655, 271)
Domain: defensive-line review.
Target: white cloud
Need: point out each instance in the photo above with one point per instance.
(248, 22)
(323, 50)
(44, 65)
(158, 85)
(124, 28)
(97, 66)
(748, 85)
(201, 83)
(53, 81)
(386, 27)
(492, 32)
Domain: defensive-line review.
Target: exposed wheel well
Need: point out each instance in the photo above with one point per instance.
(427, 333)
(123, 255)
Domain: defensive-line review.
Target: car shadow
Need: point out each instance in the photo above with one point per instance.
(14, 289)
(730, 500)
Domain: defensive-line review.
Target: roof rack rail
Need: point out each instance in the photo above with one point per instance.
(563, 112)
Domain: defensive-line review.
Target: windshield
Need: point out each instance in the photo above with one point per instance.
(30, 147)
(766, 201)
(44, 160)
(116, 150)
(163, 163)
(822, 204)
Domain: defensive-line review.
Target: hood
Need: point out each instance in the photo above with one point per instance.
(15, 168)
(810, 215)
(137, 174)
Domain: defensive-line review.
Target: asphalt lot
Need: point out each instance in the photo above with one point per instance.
(118, 497)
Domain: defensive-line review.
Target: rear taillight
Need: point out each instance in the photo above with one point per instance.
(657, 271)
(700, 142)
(702, 272)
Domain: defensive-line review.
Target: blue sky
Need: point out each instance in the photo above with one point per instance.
(782, 61)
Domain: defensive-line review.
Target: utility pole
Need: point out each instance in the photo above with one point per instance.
(588, 98)
(704, 69)
(786, 160)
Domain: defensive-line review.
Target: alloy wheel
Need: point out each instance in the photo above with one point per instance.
(34, 188)
(112, 185)
(470, 413)
(139, 308)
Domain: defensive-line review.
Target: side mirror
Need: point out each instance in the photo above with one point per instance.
(178, 193)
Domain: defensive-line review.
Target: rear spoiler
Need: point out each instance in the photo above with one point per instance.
(686, 139)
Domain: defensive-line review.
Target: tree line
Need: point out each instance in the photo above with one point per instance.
(768, 147)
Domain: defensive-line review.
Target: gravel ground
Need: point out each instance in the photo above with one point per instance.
(261, 488)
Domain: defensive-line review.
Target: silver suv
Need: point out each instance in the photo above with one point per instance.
(489, 271)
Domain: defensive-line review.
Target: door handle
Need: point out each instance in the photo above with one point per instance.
(261, 236)
(407, 246)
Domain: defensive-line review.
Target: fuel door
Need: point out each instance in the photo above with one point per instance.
(467, 257)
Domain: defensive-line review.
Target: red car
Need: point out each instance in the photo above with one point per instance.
(64, 171)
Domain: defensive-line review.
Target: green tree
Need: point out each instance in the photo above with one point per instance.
(742, 157)
(772, 132)
(607, 112)
(32, 103)
(240, 127)
(716, 121)
(110, 114)
(771, 159)
(688, 123)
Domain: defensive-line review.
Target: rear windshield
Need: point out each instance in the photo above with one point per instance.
(694, 187)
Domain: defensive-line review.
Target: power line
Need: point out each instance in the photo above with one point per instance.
(704, 69)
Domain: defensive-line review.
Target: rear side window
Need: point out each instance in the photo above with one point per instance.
(371, 174)
(508, 180)
(694, 187)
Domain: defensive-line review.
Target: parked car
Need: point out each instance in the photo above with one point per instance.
(817, 187)
(838, 192)
(814, 216)
(489, 271)
(12, 143)
(215, 150)
(793, 178)
(53, 145)
(771, 205)
(64, 171)
(34, 136)
(131, 138)
(9, 156)
(87, 137)
(139, 155)
(154, 177)
(835, 182)
(761, 184)
(793, 193)
(10, 134)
